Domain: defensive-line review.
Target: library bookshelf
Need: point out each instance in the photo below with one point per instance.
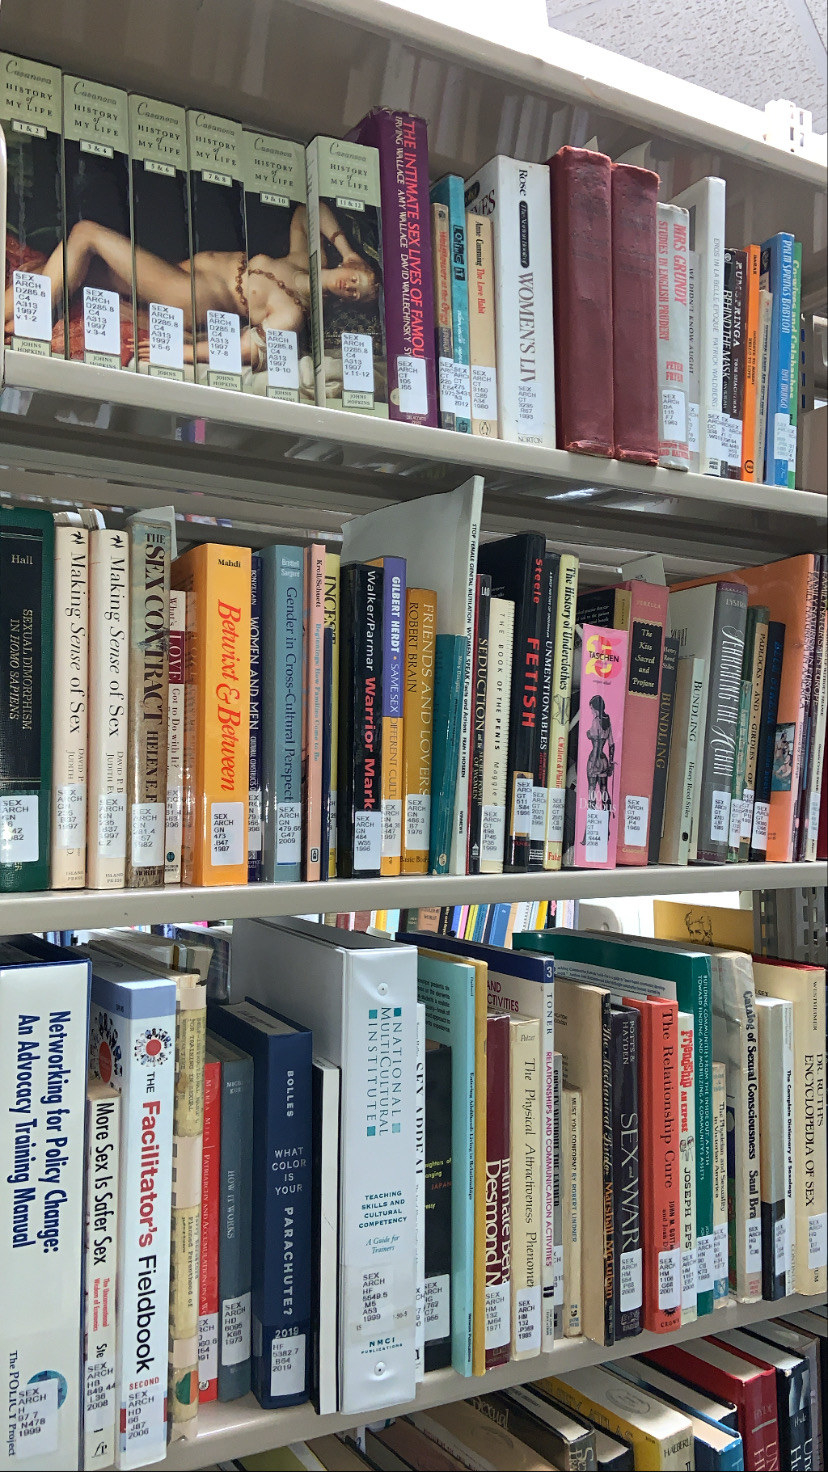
(245, 469)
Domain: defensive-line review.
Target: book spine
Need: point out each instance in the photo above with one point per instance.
(600, 746)
(419, 1190)
(175, 738)
(480, 677)
(634, 319)
(235, 1186)
(282, 603)
(149, 631)
(726, 655)
(750, 471)
(450, 659)
(580, 184)
(733, 391)
(624, 1065)
(571, 1154)
(687, 1168)
(459, 303)
(327, 732)
(418, 710)
(188, 1129)
(498, 1192)
(664, 735)
(796, 306)
(217, 205)
(558, 1212)
(359, 783)
(332, 623)
(69, 717)
(819, 711)
(739, 766)
(393, 714)
(443, 332)
(804, 733)
(482, 349)
(526, 1217)
(735, 1040)
(759, 627)
(108, 691)
(560, 708)
(763, 379)
(540, 791)
(672, 239)
(26, 633)
(208, 1299)
(693, 330)
(101, 1256)
(515, 195)
(160, 193)
(767, 741)
(313, 682)
(660, 1182)
(710, 243)
(776, 1166)
(402, 144)
(777, 277)
(34, 209)
(438, 1208)
(254, 807)
(646, 623)
(496, 736)
(718, 1078)
(723, 421)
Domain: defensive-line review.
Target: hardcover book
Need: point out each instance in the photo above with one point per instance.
(515, 195)
(596, 733)
(664, 737)
(326, 1094)
(634, 307)
(216, 580)
(347, 268)
(442, 313)
(313, 664)
(626, 1169)
(672, 237)
(750, 470)
(560, 708)
(570, 1442)
(705, 204)
(280, 1196)
(418, 713)
(44, 1010)
(393, 726)
(161, 258)
(450, 192)
(31, 113)
(282, 601)
(149, 632)
(496, 736)
(220, 277)
(278, 284)
(208, 1299)
(572, 1167)
(359, 783)
(438, 1208)
(540, 791)
(720, 1372)
(682, 772)
(474, 1438)
(482, 347)
(480, 680)
(525, 1083)
(498, 1192)
(754, 665)
(98, 318)
(71, 696)
(793, 1398)
(776, 276)
(777, 1118)
(718, 1090)
(580, 183)
(27, 541)
(401, 142)
(234, 1221)
(687, 1167)
(332, 565)
(175, 739)
(109, 601)
(733, 358)
(660, 1436)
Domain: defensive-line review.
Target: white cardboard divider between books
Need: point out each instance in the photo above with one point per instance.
(240, 1428)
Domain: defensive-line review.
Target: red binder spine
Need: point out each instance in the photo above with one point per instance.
(580, 185)
(634, 323)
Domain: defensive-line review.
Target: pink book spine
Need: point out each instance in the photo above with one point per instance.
(600, 732)
(314, 681)
(646, 626)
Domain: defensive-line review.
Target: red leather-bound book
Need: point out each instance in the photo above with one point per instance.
(498, 1191)
(658, 1154)
(634, 325)
(711, 1367)
(581, 189)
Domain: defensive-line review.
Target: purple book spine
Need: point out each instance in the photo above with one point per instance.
(402, 143)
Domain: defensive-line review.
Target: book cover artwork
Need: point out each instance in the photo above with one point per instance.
(161, 237)
(30, 111)
(221, 310)
(595, 779)
(278, 284)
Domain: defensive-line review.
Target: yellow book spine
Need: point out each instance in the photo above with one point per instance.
(481, 986)
(332, 622)
(651, 1453)
(418, 712)
(217, 712)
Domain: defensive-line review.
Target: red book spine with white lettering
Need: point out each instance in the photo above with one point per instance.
(659, 1183)
(208, 1300)
(634, 314)
(710, 1367)
(581, 191)
(498, 1191)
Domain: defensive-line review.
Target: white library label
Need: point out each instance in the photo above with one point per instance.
(412, 385)
(112, 825)
(753, 1245)
(392, 827)
(166, 335)
(538, 814)
(287, 1365)
(208, 1335)
(224, 342)
(36, 1419)
(446, 377)
(596, 842)
(19, 840)
(705, 1268)
(148, 833)
(436, 1307)
(720, 1250)
(734, 836)
(673, 414)
(636, 815)
(689, 1279)
(559, 1275)
(32, 305)
(781, 428)
(630, 1290)
(367, 840)
(747, 812)
(530, 410)
(497, 1314)
(528, 1319)
(101, 321)
(483, 392)
(357, 363)
(759, 839)
(780, 1246)
(417, 820)
(235, 1329)
(522, 820)
(669, 1279)
(282, 359)
(70, 815)
(227, 835)
(254, 820)
(288, 833)
(462, 391)
(555, 806)
(720, 817)
(817, 1241)
(493, 832)
(693, 428)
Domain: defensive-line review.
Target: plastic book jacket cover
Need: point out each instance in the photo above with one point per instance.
(599, 747)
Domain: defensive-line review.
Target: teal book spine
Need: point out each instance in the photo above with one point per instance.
(621, 965)
(450, 191)
(27, 556)
(446, 988)
(449, 678)
(282, 593)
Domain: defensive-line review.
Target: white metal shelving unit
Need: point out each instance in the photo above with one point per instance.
(71, 433)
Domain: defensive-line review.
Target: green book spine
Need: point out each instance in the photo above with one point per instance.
(636, 968)
(27, 554)
(795, 352)
(449, 678)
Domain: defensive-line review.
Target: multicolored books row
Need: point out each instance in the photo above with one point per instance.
(416, 704)
(739, 1400)
(144, 236)
(435, 1144)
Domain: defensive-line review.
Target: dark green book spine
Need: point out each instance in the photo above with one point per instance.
(664, 736)
(27, 553)
(437, 1207)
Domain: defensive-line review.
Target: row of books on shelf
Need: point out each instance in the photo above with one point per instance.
(377, 1157)
(417, 704)
(741, 1399)
(178, 243)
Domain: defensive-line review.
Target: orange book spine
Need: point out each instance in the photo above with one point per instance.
(216, 712)
(418, 711)
(659, 1157)
(313, 659)
(751, 399)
